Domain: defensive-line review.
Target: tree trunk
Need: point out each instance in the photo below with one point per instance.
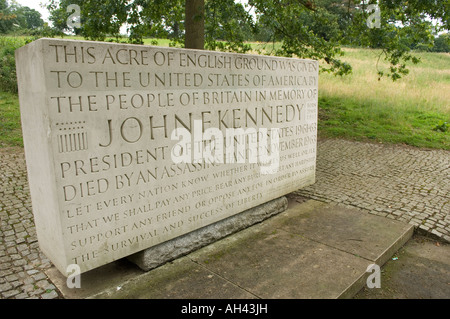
(195, 24)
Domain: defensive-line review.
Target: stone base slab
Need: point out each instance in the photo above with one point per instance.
(155, 256)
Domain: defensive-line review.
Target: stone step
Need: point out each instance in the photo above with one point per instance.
(312, 250)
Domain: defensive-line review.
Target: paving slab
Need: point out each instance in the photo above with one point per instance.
(274, 264)
(420, 270)
(312, 250)
(105, 277)
(371, 237)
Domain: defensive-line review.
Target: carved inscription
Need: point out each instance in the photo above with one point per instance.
(112, 110)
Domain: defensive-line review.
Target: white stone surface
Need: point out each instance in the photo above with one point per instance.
(97, 121)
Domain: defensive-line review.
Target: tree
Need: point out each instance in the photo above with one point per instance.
(195, 24)
(228, 25)
(98, 18)
(313, 29)
(442, 43)
(28, 18)
(317, 29)
(18, 16)
(7, 17)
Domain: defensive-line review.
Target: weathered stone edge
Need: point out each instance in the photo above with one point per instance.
(156, 256)
(359, 283)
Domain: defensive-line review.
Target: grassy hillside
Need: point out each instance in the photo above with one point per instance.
(412, 110)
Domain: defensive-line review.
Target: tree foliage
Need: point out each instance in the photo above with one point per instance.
(314, 29)
(442, 44)
(14, 16)
(6, 17)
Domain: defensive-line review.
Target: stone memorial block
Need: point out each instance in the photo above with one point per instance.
(130, 146)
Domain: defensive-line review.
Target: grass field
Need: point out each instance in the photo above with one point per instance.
(411, 111)
(10, 129)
